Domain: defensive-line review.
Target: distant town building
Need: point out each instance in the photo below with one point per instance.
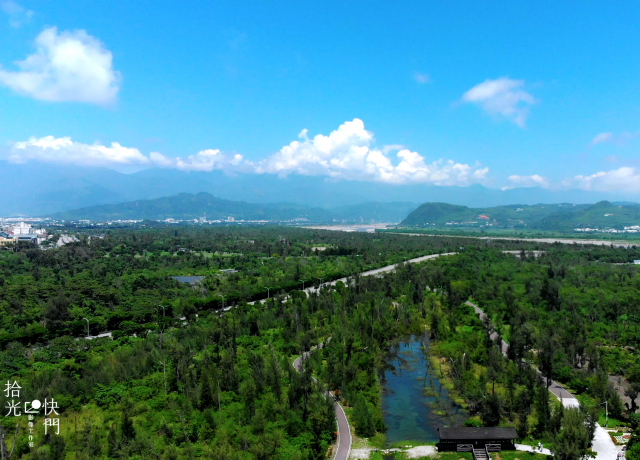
(5, 238)
(26, 237)
(66, 239)
(22, 229)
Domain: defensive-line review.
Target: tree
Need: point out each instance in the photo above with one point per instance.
(363, 418)
(542, 408)
(633, 452)
(128, 431)
(631, 391)
(545, 357)
(57, 311)
(573, 440)
(522, 427)
(490, 414)
(3, 447)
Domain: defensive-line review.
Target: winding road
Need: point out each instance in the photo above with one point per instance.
(344, 431)
(602, 444)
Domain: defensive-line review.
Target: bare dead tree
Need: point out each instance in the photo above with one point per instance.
(3, 446)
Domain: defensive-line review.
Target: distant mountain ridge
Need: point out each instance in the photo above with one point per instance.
(39, 189)
(562, 217)
(186, 206)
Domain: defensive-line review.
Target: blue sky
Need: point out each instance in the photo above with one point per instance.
(505, 94)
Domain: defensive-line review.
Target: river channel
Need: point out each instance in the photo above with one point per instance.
(413, 402)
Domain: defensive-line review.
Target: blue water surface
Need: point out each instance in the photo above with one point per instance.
(413, 404)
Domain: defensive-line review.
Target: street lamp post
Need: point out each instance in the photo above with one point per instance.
(268, 293)
(163, 309)
(87, 326)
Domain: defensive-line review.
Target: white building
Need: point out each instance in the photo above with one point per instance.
(22, 229)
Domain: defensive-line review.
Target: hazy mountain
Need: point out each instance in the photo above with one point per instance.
(541, 216)
(602, 214)
(379, 212)
(40, 189)
(192, 206)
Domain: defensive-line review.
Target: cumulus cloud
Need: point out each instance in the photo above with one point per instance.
(18, 15)
(49, 149)
(624, 179)
(66, 66)
(502, 97)
(534, 180)
(204, 160)
(348, 153)
(65, 151)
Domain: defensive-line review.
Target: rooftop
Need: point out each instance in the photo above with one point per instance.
(482, 433)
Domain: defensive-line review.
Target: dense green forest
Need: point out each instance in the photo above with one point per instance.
(573, 312)
(180, 379)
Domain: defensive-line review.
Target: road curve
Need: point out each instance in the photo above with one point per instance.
(344, 431)
(602, 444)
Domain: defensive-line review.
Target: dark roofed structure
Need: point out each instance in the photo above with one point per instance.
(466, 438)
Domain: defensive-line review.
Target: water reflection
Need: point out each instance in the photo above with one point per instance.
(413, 402)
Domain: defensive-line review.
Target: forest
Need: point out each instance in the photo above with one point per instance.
(180, 378)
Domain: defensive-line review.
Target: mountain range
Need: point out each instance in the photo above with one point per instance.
(37, 189)
(560, 217)
(192, 206)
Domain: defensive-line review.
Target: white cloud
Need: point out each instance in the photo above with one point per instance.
(66, 66)
(618, 139)
(421, 78)
(204, 160)
(18, 15)
(527, 181)
(347, 153)
(602, 137)
(502, 97)
(625, 180)
(63, 150)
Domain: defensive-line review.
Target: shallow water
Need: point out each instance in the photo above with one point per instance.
(188, 279)
(413, 403)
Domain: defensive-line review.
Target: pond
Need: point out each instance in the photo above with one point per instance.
(414, 404)
(188, 279)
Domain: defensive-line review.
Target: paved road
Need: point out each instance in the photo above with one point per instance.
(375, 272)
(602, 445)
(344, 431)
(525, 448)
(618, 244)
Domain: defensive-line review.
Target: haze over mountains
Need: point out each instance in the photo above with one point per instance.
(37, 189)
(192, 206)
